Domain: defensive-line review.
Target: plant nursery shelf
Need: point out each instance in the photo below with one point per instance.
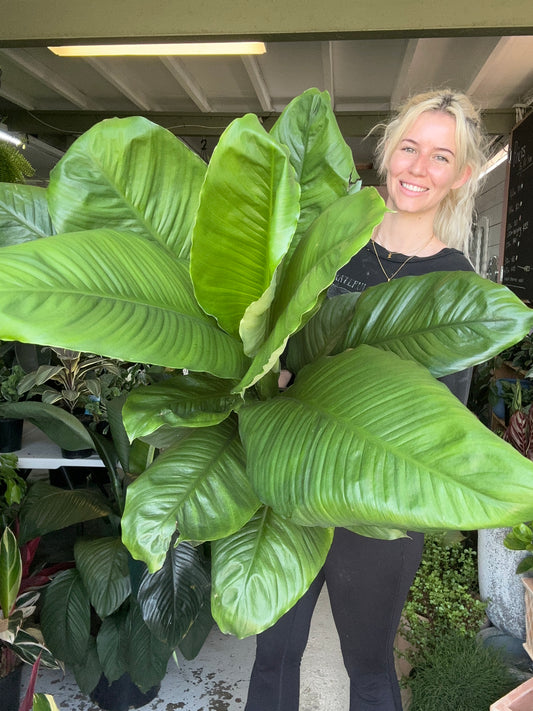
(39, 452)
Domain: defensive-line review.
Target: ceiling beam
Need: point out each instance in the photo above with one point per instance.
(258, 82)
(100, 20)
(48, 78)
(356, 124)
(121, 80)
(186, 80)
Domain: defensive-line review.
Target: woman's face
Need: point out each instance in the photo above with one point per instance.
(422, 168)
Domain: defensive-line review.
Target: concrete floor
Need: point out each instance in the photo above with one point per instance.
(217, 680)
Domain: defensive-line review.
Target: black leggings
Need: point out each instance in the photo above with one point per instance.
(368, 581)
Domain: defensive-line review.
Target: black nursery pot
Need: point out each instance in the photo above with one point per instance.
(121, 694)
(10, 690)
(10, 434)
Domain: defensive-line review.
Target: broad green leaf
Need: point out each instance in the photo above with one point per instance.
(48, 508)
(60, 426)
(88, 674)
(112, 643)
(318, 152)
(192, 400)
(103, 566)
(321, 335)
(333, 238)
(248, 211)
(147, 656)
(119, 436)
(66, 616)
(259, 572)
(446, 321)
(171, 598)
(115, 294)
(23, 214)
(193, 641)
(198, 486)
(366, 438)
(382, 532)
(130, 175)
(10, 571)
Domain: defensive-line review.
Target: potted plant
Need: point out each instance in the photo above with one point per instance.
(99, 617)
(214, 271)
(20, 587)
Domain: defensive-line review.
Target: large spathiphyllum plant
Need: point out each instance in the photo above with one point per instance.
(215, 272)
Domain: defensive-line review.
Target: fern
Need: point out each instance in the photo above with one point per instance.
(14, 168)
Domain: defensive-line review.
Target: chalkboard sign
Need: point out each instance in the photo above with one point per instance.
(518, 248)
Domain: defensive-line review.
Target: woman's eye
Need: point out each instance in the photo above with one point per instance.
(408, 149)
(442, 159)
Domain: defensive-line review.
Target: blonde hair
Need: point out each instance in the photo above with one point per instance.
(453, 220)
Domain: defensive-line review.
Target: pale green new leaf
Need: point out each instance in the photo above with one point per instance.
(114, 294)
(318, 152)
(48, 508)
(248, 211)
(103, 566)
(23, 214)
(66, 617)
(192, 400)
(322, 334)
(129, 175)
(333, 238)
(10, 571)
(446, 321)
(171, 598)
(197, 485)
(44, 702)
(259, 572)
(366, 438)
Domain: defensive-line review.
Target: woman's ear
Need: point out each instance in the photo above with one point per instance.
(463, 178)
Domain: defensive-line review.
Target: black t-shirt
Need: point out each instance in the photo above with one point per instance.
(363, 270)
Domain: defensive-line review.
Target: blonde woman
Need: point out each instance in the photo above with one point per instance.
(431, 156)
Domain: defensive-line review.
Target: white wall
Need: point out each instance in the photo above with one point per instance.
(490, 208)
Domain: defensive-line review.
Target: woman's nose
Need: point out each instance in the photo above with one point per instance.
(419, 164)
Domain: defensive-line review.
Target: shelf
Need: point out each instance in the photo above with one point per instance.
(39, 452)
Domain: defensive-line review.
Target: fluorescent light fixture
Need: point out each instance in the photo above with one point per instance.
(158, 50)
(4, 136)
(495, 161)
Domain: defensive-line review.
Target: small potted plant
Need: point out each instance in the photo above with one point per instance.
(20, 637)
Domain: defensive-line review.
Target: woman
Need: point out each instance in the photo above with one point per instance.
(431, 156)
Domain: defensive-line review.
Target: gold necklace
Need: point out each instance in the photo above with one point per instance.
(402, 265)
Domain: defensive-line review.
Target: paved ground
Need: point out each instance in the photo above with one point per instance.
(217, 680)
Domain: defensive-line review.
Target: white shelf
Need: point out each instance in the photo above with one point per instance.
(39, 452)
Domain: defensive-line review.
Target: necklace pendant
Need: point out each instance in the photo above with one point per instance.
(389, 255)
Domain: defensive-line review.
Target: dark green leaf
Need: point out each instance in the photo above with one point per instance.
(171, 598)
(103, 566)
(48, 508)
(65, 617)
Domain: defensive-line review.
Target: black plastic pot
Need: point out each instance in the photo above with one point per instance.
(10, 690)
(76, 453)
(10, 434)
(121, 694)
